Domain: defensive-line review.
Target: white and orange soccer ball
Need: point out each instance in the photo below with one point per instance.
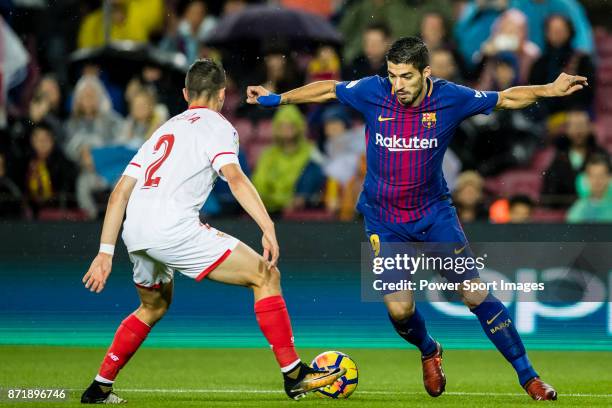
(344, 386)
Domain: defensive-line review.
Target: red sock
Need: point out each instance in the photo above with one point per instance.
(273, 319)
(129, 336)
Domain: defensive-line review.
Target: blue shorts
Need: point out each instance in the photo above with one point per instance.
(440, 226)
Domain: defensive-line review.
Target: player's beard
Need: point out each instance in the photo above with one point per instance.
(416, 95)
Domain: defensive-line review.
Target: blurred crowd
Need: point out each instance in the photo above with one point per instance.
(70, 121)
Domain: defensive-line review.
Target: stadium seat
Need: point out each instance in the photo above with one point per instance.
(232, 100)
(513, 182)
(541, 159)
(308, 215)
(604, 74)
(264, 130)
(603, 44)
(245, 130)
(546, 215)
(253, 151)
(58, 214)
(603, 130)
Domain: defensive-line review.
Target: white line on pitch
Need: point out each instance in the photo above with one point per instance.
(238, 391)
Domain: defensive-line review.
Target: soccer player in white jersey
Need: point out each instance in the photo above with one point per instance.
(163, 188)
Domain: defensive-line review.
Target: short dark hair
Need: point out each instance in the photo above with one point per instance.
(599, 159)
(204, 78)
(379, 26)
(409, 50)
(182, 5)
(521, 199)
(570, 25)
(45, 126)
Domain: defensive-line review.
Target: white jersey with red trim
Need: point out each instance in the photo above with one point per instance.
(176, 169)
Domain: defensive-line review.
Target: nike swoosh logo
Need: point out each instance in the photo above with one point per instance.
(495, 317)
(381, 119)
(460, 250)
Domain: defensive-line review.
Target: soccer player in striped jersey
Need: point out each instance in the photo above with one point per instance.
(410, 119)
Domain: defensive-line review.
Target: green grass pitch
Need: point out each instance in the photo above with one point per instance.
(182, 377)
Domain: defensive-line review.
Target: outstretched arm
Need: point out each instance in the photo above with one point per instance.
(249, 199)
(522, 96)
(100, 268)
(315, 92)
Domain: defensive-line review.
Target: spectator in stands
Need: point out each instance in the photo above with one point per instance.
(443, 65)
(324, 66)
(49, 88)
(520, 208)
(184, 36)
(92, 121)
(279, 73)
(516, 210)
(474, 26)
(573, 150)
(509, 35)
(18, 144)
(92, 124)
(435, 33)
(10, 195)
(502, 71)
(376, 40)
(288, 175)
(540, 10)
(342, 164)
(433, 30)
(133, 20)
(560, 56)
(151, 78)
(50, 177)
(44, 107)
(403, 17)
(598, 206)
(233, 6)
(505, 138)
(114, 91)
(468, 197)
(143, 120)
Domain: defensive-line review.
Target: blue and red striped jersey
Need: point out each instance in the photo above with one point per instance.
(406, 145)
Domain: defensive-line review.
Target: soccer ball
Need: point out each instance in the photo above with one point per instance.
(344, 386)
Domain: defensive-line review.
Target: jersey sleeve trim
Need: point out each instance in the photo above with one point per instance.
(492, 96)
(219, 154)
(132, 171)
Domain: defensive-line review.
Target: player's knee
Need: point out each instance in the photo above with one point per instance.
(154, 312)
(400, 311)
(265, 277)
(274, 277)
(473, 298)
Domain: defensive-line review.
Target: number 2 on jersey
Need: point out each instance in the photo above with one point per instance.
(167, 141)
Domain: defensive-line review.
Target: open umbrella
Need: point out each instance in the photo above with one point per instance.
(273, 24)
(122, 60)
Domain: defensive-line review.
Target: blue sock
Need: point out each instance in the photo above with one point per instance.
(413, 330)
(499, 328)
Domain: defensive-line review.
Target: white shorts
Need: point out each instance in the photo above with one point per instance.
(195, 258)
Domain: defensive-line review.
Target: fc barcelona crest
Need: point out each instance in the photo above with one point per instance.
(428, 119)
